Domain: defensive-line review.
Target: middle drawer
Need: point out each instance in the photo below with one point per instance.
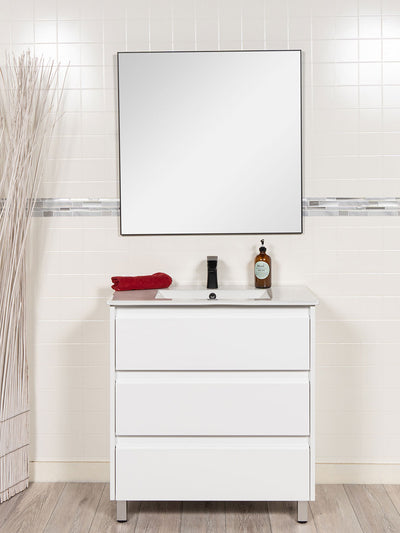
(212, 403)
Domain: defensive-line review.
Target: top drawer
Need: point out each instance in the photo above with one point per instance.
(196, 338)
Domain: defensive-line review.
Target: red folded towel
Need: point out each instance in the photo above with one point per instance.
(133, 283)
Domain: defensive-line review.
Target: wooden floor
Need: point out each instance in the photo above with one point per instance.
(85, 507)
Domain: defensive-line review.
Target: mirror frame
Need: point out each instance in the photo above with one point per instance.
(301, 230)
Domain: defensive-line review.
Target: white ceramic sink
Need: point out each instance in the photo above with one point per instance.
(221, 294)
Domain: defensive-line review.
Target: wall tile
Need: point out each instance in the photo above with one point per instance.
(390, 26)
(369, 7)
(370, 73)
(70, 55)
(391, 144)
(370, 96)
(69, 31)
(391, 74)
(345, 8)
(370, 50)
(370, 120)
(45, 31)
(370, 27)
(45, 10)
(391, 49)
(370, 144)
(390, 7)
(207, 32)
(391, 97)
(22, 31)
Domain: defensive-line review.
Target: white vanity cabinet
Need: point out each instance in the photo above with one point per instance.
(212, 400)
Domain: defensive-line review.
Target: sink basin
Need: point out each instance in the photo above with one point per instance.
(221, 294)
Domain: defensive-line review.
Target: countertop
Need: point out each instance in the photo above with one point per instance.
(285, 295)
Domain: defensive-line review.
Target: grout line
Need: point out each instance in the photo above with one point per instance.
(241, 29)
(218, 27)
(265, 24)
(172, 28)
(287, 25)
(195, 29)
(149, 32)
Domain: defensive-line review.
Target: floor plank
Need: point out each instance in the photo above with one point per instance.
(159, 517)
(34, 509)
(105, 520)
(8, 506)
(247, 517)
(203, 517)
(333, 512)
(283, 518)
(394, 494)
(76, 508)
(374, 508)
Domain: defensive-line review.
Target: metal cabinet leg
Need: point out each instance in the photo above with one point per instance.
(302, 512)
(122, 511)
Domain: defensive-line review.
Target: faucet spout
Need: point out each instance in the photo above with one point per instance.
(212, 280)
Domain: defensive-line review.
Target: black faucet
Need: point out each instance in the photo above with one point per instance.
(212, 281)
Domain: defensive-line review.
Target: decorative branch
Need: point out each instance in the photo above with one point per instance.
(29, 109)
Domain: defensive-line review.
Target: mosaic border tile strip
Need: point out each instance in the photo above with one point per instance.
(76, 207)
(328, 206)
(351, 207)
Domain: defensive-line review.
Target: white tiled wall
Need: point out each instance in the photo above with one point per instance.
(352, 148)
(351, 78)
(350, 262)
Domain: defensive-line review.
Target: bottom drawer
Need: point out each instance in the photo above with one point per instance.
(217, 468)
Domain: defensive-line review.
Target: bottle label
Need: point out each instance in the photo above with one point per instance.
(261, 269)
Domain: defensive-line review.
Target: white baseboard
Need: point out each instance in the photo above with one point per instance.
(53, 471)
(358, 473)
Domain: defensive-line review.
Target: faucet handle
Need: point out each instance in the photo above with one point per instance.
(212, 282)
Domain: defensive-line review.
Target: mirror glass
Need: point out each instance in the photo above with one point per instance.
(210, 142)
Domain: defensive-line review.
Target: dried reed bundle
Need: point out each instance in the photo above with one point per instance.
(29, 105)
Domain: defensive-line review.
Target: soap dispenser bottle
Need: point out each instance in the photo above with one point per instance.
(262, 269)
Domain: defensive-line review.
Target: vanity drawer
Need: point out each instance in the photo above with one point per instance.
(204, 338)
(212, 468)
(212, 403)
